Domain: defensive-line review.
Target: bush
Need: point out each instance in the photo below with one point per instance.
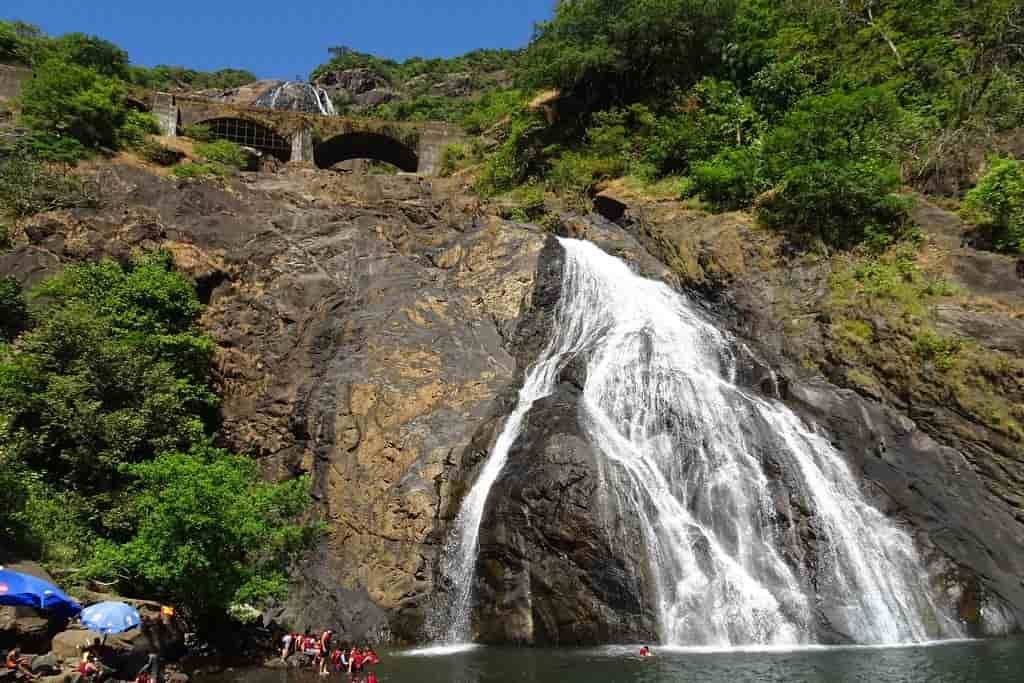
(136, 127)
(198, 132)
(28, 187)
(576, 173)
(209, 533)
(453, 157)
(491, 109)
(515, 159)
(526, 204)
(90, 52)
(997, 203)
(164, 77)
(833, 172)
(18, 42)
(200, 171)
(65, 99)
(844, 204)
(54, 148)
(223, 152)
(731, 180)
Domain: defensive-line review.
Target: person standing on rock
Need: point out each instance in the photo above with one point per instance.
(286, 646)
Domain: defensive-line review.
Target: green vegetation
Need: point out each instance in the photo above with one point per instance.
(28, 186)
(195, 170)
(220, 158)
(813, 114)
(13, 311)
(173, 78)
(198, 132)
(343, 58)
(69, 100)
(223, 152)
(106, 416)
(76, 104)
(997, 204)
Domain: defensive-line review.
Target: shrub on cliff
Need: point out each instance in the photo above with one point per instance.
(65, 99)
(28, 187)
(997, 204)
(832, 169)
(208, 533)
(90, 52)
(223, 152)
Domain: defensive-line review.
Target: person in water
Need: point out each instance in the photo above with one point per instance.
(646, 652)
(324, 647)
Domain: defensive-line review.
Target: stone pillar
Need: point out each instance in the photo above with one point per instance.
(165, 109)
(302, 147)
(434, 138)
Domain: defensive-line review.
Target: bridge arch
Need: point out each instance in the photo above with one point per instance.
(250, 134)
(364, 145)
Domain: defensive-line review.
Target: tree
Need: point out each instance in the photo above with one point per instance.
(208, 533)
(834, 174)
(114, 371)
(618, 51)
(90, 52)
(65, 99)
(997, 203)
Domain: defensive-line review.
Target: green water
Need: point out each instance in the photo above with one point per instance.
(959, 662)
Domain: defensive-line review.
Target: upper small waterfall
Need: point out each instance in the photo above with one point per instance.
(297, 96)
(696, 459)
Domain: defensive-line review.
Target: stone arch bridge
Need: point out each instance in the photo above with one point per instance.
(412, 146)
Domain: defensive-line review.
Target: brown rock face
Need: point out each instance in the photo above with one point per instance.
(361, 329)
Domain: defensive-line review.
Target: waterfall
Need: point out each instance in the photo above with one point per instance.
(298, 97)
(686, 453)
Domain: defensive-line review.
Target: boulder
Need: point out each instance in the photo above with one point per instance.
(548, 574)
(351, 81)
(375, 98)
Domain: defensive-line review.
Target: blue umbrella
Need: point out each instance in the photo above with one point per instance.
(110, 617)
(23, 590)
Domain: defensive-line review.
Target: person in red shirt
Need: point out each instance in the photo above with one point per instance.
(355, 661)
(370, 657)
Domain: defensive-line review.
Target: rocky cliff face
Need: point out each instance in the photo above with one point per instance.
(373, 332)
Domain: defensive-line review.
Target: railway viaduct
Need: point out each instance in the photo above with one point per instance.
(412, 146)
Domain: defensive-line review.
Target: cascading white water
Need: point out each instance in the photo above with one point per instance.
(685, 453)
(312, 94)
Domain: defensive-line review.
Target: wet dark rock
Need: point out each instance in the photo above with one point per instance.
(548, 573)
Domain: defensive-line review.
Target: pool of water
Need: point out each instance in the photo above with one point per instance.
(990, 661)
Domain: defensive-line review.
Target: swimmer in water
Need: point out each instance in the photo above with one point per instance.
(646, 652)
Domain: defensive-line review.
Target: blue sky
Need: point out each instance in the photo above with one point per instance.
(283, 39)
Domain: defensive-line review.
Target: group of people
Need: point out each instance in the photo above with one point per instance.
(327, 659)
